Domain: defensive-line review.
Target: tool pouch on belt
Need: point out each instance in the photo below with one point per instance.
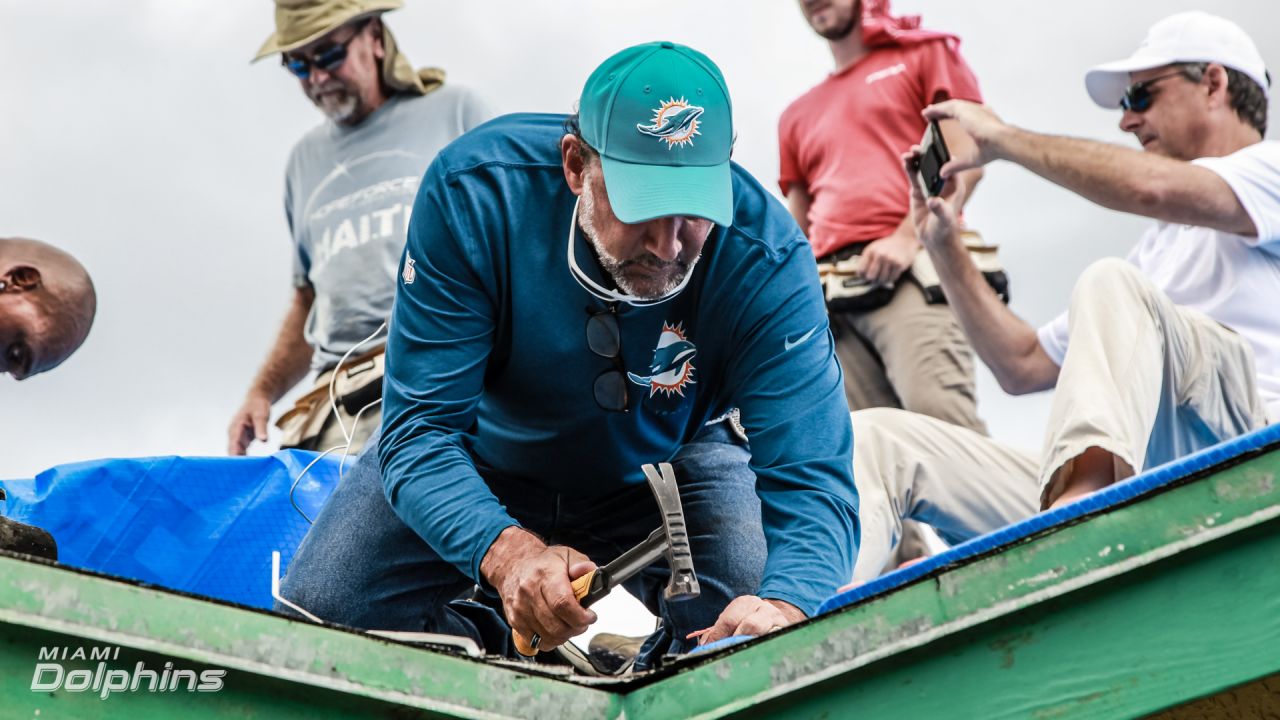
(844, 287)
(984, 257)
(359, 383)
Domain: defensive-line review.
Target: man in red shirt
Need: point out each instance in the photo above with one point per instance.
(841, 171)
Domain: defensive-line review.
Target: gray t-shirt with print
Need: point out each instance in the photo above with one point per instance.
(348, 195)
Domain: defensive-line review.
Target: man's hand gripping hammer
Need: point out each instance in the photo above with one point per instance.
(671, 540)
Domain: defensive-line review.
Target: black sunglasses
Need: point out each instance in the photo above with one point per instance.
(605, 340)
(1138, 98)
(328, 58)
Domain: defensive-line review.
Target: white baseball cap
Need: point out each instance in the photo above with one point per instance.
(1186, 37)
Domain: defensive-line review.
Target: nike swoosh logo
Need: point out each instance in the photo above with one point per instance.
(788, 343)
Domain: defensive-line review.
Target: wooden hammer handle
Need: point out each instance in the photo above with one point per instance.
(580, 588)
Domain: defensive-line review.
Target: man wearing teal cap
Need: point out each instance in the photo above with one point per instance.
(578, 297)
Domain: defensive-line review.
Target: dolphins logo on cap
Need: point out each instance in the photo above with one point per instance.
(675, 122)
(672, 366)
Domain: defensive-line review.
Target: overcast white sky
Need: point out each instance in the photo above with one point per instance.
(135, 134)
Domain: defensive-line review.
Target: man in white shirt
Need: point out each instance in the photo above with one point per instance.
(1169, 351)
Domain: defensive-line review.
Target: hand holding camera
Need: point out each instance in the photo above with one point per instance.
(933, 210)
(929, 160)
(985, 135)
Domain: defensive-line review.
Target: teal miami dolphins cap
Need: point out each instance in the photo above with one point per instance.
(659, 116)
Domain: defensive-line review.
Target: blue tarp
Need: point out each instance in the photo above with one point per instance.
(200, 525)
(209, 525)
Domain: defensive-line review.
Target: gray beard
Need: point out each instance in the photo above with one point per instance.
(613, 265)
(343, 111)
(340, 111)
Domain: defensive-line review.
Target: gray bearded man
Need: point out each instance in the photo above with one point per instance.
(349, 190)
(581, 296)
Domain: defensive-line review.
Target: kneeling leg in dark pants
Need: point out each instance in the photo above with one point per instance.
(361, 566)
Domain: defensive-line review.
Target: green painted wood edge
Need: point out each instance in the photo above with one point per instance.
(110, 612)
(242, 695)
(1135, 644)
(1035, 572)
(825, 651)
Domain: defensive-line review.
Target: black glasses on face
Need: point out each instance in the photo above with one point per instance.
(1138, 97)
(328, 57)
(605, 340)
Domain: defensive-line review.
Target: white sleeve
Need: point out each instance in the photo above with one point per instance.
(1254, 176)
(1053, 338)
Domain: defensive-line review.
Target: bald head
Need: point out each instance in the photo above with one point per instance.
(47, 304)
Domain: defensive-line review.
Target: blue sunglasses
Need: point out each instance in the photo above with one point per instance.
(328, 58)
(1138, 96)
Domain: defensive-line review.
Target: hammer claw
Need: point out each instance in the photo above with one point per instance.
(684, 582)
(670, 541)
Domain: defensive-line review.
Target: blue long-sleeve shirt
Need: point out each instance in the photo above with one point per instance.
(488, 363)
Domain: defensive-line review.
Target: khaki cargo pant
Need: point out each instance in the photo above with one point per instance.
(1143, 379)
(908, 354)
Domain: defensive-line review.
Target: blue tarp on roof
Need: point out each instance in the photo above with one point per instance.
(200, 525)
(209, 525)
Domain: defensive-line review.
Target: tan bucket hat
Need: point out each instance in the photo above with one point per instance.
(299, 22)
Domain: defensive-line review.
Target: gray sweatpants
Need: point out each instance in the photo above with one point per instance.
(1143, 379)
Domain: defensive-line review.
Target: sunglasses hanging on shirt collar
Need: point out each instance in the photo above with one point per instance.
(604, 339)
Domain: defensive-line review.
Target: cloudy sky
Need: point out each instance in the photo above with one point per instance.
(136, 135)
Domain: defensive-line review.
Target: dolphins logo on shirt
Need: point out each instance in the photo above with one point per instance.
(672, 367)
(675, 122)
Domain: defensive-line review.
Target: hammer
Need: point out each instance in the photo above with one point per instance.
(671, 540)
